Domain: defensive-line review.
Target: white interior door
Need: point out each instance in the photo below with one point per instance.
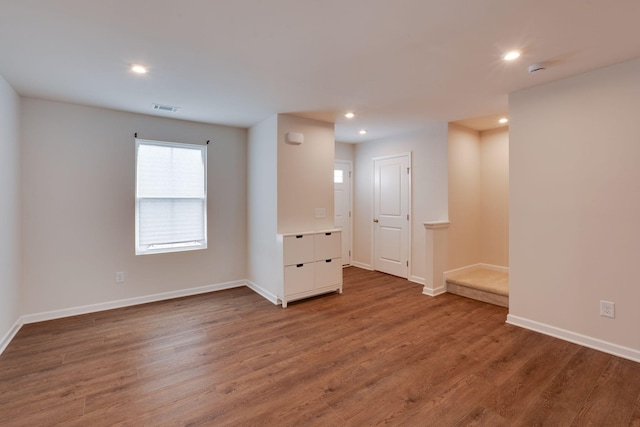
(342, 205)
(391, 223)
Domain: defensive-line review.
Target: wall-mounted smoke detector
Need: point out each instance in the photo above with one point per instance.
(534, 68)
(167, 108)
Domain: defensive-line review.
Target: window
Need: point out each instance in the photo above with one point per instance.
(171, 197)
(337, 176)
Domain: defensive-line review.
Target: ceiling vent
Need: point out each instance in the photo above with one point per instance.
(167, 108)
(535, 68)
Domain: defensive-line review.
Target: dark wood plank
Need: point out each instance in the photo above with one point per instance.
(613, 399)
(635, 417)
(563, 398)
(379, 354)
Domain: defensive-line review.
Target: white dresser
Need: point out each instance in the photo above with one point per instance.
(312, 264)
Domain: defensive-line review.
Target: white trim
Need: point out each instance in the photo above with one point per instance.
(11, 333)
(471, 267)
(361, 265)
(460, 270)
(494, 267)
(262, 292)
(92, 308)
(436, 225)
(351, 179)
(410, 210)
(434, 292)
(416, 279)
(474, 266)
(168, 247)
(576, 338)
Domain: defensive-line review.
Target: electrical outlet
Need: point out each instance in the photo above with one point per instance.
(607, 309)
(120, 277)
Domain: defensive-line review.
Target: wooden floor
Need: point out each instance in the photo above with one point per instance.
(379, 354)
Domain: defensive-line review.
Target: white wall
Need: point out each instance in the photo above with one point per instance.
(10, 291)
(494, 197)
(575, 206)
(286, 184)
(463, 246)
(428, 187)
(78, 207)
(344, 151)
(305, 175)
(264, 263)
(478, 197)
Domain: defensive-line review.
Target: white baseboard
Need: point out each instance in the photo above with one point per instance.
(10, 334)
(262, 292)
(434, 292)
(92, 308)
(416, 279)
(576, 338)
(362, 265)
(475, 266)
(494, 267)
(460, 270)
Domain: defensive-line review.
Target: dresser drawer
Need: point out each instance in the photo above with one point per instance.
(299, 278)
(327, 245)
(298, 249)
(328, 272)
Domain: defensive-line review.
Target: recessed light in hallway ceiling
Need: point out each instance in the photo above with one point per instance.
(511, 55)
(139, 69)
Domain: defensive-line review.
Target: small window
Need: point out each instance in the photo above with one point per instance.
(338, 178)
(171, 197)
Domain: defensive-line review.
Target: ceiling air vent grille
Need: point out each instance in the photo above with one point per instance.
(167, 108)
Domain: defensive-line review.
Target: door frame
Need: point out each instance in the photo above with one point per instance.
(373, 208)
(351, 178)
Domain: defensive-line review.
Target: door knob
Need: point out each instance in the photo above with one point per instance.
(375, 220)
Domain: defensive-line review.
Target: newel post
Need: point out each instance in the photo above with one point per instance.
(436, 253)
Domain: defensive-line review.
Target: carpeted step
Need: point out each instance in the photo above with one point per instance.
(482, 284)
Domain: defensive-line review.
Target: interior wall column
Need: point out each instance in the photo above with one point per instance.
(436, 254)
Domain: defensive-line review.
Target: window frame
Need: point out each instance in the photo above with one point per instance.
(175, 246)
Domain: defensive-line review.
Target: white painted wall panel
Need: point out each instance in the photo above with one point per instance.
(429, 189)
(10, 290)
(575, 203)
(78, 207)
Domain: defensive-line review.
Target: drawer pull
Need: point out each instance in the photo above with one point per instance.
(299, 265)
(299, 236)
(328, 260)
(327, 234)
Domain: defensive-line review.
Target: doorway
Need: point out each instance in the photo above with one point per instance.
(342, 205)
(391, 214)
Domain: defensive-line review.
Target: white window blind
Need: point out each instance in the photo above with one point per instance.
(171, 197)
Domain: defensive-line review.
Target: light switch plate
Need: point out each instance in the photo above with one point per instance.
(320, 213)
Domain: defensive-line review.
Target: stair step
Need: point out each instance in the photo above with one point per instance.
(482, 284)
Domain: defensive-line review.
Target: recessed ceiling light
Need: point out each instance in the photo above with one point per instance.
(510, 56)
(503, 120)
(363, 132)
(139, 69)
(350, 115)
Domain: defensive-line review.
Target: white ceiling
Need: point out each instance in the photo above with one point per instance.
(400, 64)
